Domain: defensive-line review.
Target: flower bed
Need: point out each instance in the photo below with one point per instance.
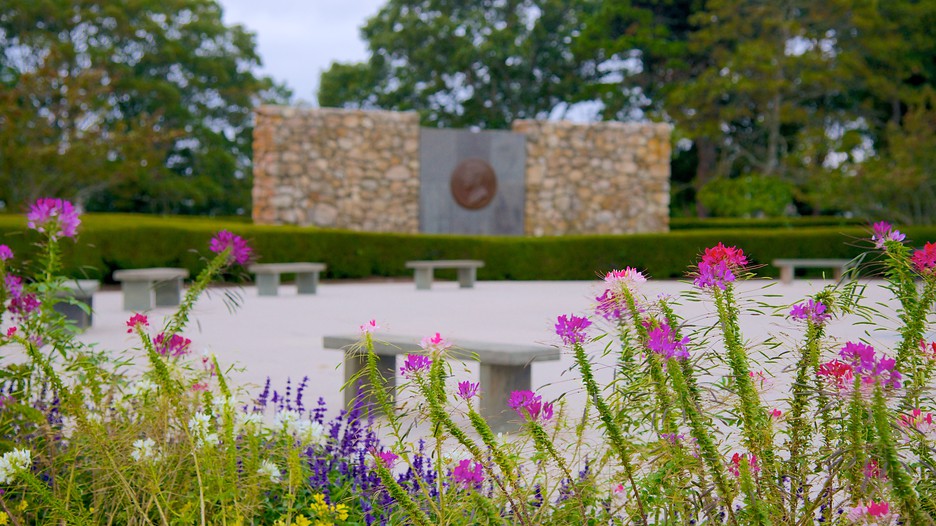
(687, 432)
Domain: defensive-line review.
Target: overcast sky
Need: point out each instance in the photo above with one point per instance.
(298, 39)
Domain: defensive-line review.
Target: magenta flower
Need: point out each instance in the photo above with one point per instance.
(735, 467)
(871, 368)
(882, 232)
(925, 260)
(23, 305)
(468, 390)
(714, 275)
(415, 364)
(733, 257)
(918, 420)
(572, 329)
(5, 253)
(530, 405)
(872, 470)
(812, 311)
(387, 458)
(662, 340)
(839, 374)
(174, 345)
(240, 252)
(434, 344)
(776, 414)
(14, 285)
(55, 217)
(629, 278)
(136, 319)
(370, 327)
(871, 512)
(468, 473)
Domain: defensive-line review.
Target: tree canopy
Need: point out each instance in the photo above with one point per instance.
(824, 98)
(126, 105)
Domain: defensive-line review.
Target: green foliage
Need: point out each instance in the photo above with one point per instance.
(748, 196)
(461, 64)
(127, 106)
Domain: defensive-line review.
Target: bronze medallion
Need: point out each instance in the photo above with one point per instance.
(473, 183)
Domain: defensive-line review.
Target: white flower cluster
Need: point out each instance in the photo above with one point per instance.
(293, 423)
(248, 422)
(269, 469)
(144, 449)
(13, 462)
(201, 427)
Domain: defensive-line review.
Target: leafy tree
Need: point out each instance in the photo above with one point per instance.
(463, 64)
(127, 105)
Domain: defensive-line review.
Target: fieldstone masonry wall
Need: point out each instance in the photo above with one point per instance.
(359, 170)
(599, 178)
(356, 170)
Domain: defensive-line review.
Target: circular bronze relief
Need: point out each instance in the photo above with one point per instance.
(473, 184)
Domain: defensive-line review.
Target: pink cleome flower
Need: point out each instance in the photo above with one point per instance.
(872, 470)
(629, 277)
(871, 512)
(776, 414)
(662, 340)
(468, 390)
(370, 327)
(925, 260)
(839, 374)
(530, 405)
(240, 251)
(572, 329)
(917, 419)
(811, 311)
(11, 332)
(387, 458)
(735, 467)
(928, 349)
(173, 346)
(435, 344)
(55, 217)
(468, 473)
(732, 256)
(871, 368)
(882, 232)
(136, 319)
(5, 253)
(718, 266)
(415, 364)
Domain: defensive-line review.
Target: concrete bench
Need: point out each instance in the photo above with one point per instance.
(467, 271)
(788, 266)
(504, 367)
(77, 290)
(144, 288)
(268, 276)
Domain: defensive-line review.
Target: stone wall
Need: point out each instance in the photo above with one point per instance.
(356, 170)
(360, 170)
(598, 178)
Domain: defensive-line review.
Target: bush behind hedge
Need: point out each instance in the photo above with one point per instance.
(109, 242)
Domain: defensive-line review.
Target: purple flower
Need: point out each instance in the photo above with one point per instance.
(14, 285)
(870, 367)
(387, 458)
(240, 252)
(415, 363)
(55, 217)
(714, 275)
(23, 305)
(662, 340)
(5, 253)
(468, 473)
(883, 232)
(572, 329)
(174, 345)
(813, 311)
(468, 390)
(530, 405)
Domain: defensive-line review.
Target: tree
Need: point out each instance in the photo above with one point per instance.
(462, 64)
(129, 105)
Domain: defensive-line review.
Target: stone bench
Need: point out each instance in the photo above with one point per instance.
(788, 266)
(467, 271)
(72, 293)
(268, 276)
(504, 367)
(144, 288)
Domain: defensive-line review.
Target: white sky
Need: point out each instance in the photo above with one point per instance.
(298, 39)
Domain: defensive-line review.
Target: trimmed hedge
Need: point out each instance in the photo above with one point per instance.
(695, 223)
(110, 242)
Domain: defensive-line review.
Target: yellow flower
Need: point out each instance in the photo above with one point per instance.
(22, 505)
(302, 521)
(341, 510)
(4, 518)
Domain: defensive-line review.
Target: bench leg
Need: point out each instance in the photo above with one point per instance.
(168, 293)
(137, 296)
(307, 282)
(355, 363)
(267, 284)
(497, 382)
(786, 274)
(837, 273)
(466, 277)
(80, 317)
(423, 278)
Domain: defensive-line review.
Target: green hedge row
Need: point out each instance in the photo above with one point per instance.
(110, 242)
(720, 223)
